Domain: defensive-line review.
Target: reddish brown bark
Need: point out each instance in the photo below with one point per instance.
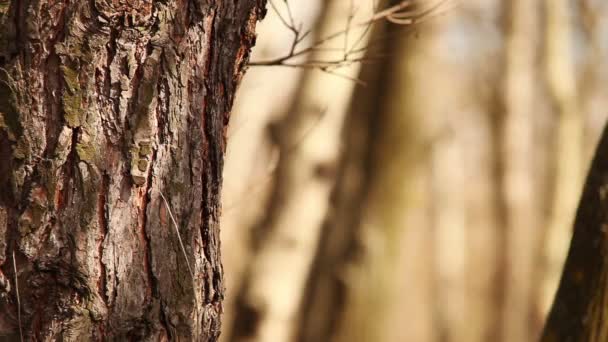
(104, 105)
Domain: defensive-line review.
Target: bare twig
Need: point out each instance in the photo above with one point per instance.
(18, 298)
(179, 237)
(406, 12)
(298, 36)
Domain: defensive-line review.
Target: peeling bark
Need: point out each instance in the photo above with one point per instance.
(103, 106)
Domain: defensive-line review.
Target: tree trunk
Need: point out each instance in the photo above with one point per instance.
(568, 154)
(520, 181)
(577, 313)
(106, 107)
(578, 310)
(377, 229)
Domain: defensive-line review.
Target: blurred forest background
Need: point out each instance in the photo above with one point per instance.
(421, 189)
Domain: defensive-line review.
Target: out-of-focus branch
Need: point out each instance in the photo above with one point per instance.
(406, 12)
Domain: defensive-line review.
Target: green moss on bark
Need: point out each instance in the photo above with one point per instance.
(72, 97)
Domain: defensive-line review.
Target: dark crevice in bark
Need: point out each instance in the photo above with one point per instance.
(19, 16)
(109, 88)
(6, 263)
(211, 281)
(213, 96)
(7, 198)
(116, 283)
(69, 169)
(163, 103)
(25, 192)
(102, 212)
(165, 323)
(53, 87)
(145, 239)
(213, 153)
(130, 123)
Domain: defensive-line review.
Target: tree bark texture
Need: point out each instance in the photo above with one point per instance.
(104, 106)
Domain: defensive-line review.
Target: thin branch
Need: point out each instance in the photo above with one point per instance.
(298, 36)
(349, 20)
(362, 36)
(276, 10)
(289, 13)
(346, 77)
(403, 13)
(18, 298)
(179, 237)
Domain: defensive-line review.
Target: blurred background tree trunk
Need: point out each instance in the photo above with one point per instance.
(456, 181)
(360, 290)
(402, 242)
(286, 236)
(251, 157)
(577, 309)
(568, 151)
(522, 159)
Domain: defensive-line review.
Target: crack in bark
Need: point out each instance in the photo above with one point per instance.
(145, 239)
(53, 86)
(116, 280)
(69, 169)
(102, 212)
(112, 51)
(169, 335)
(17, 22)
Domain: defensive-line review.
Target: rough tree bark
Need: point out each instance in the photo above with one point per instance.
(104, 106)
